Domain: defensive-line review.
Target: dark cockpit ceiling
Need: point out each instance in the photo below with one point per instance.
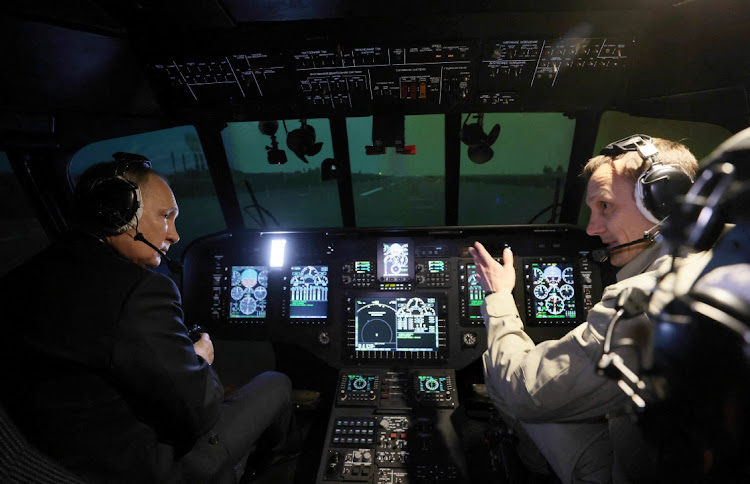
(514, 53)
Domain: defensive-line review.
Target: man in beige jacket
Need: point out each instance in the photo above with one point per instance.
(551, 389)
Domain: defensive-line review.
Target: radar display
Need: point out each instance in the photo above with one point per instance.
(396, 324)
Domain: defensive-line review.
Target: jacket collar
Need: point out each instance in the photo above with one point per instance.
(641, 262)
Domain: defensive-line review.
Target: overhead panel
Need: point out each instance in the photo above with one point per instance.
(359, 78)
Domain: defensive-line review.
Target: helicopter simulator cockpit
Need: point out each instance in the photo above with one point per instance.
(334, 161)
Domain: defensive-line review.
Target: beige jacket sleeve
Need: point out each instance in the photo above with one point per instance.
(554, 380)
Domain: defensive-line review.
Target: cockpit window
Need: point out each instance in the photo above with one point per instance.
(176, 154)
(276, 170)
(397, 189)
(523, 180)
(700, 138)
(21, 234)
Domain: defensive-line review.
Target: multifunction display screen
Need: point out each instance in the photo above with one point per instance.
(431, 384)
(360, 383)
(395, 260)
(308, 292)
(248, 292)
(396, 324)
(551, 294)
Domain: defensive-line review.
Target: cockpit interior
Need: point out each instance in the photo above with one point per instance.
(333, 161)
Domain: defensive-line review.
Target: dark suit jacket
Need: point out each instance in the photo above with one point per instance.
(101, 368)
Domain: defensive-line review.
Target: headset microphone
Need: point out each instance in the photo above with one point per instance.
(601, 255)
(173, 265)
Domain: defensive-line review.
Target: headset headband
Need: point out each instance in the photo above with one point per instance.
(641, 143)
(125, 160)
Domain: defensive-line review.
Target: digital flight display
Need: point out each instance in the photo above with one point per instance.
(396, 324)
(551, 290)
(308, 292)
(431, 384)
(475, 294)
(360, 383)
(248, 292)
(395, 260)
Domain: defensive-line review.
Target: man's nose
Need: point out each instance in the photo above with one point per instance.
(172, 236)
(595, 227)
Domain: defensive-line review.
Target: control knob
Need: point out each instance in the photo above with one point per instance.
(324, 338)
(469, 339)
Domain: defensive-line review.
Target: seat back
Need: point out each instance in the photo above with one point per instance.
(21, 462)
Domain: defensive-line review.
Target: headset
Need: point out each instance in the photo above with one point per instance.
(113, 203)
(720, 195)
(657, 188)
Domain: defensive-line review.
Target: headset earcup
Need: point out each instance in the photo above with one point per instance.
(116, 204)
(657, 189)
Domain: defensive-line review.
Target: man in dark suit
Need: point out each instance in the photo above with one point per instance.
(101, 372)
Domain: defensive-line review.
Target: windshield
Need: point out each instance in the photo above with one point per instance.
(515, 174)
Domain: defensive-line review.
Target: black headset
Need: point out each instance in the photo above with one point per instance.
(701, 339)
(720, 195)
(114, 202)
(657, 189)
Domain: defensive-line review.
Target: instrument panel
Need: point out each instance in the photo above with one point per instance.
(400, 297)
(397, 312)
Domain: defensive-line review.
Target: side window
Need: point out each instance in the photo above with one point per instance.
(276, 188)
(176, 154)
(21, 234)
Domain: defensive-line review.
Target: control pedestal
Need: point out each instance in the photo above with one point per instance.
(393, 426)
